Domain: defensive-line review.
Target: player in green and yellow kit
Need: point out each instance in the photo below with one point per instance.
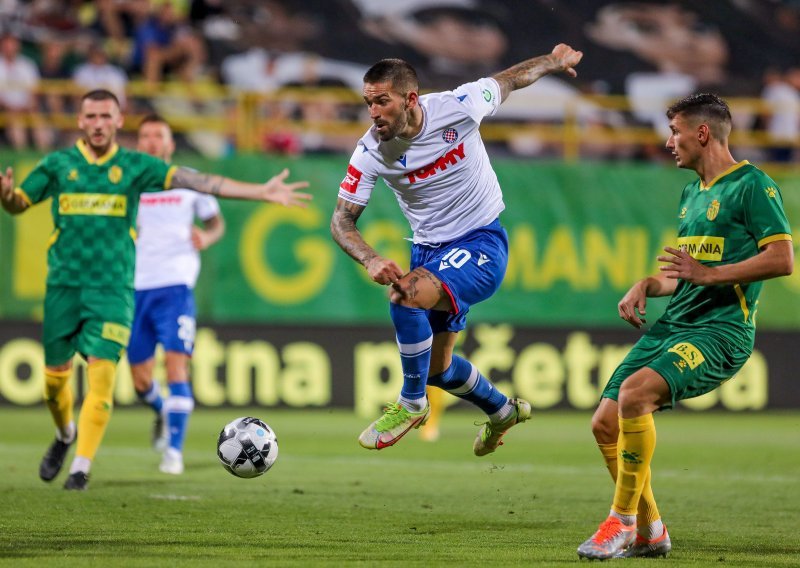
(88, 307)
(732, 235)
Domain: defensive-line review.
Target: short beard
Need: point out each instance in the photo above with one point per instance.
(396, 129)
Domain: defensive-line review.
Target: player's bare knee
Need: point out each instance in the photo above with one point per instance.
(141, 381)
(635, 402)
(605, 428)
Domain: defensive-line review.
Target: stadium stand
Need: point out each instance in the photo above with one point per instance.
(284, 75)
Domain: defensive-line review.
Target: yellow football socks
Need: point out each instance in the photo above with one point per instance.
(96, 409)
(59, 399)
(430, 431)
(637, 442)
(647, 511)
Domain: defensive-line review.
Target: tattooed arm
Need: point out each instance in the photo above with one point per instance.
(346, 234)
(562, 58)
(274, 190)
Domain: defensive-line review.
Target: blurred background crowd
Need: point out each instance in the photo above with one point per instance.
(284, 76)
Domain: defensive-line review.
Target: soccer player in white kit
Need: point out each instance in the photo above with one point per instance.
(429, 151)
(167, 266)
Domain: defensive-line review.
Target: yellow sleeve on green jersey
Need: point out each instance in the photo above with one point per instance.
(156, 175)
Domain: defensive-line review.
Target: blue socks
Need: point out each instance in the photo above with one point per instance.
(177, 409)
(464, 380)
(151, 397)
(414, 338)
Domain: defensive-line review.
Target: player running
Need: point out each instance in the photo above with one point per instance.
(88, 305)
(167, 266)
(732, 235)
(429, 151)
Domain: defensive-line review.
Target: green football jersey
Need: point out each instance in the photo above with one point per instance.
(94, 208)
(728, 221)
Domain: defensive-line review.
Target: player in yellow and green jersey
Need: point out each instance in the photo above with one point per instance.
(732, 235)
(88, 308)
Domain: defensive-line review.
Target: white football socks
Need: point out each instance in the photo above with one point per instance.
(413, 405)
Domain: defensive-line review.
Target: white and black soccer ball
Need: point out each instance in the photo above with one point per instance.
(247, 447)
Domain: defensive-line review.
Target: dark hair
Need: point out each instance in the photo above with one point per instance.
(153, 117)
(399, 73)
(705, 107)
(100, 95)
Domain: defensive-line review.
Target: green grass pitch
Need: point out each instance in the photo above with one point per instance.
(728, 486)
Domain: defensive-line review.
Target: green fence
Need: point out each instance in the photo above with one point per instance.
(580, 234)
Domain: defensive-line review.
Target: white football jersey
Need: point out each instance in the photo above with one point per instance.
(442, 177)
(165, 255)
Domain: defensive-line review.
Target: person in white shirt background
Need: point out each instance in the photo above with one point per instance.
(19, 78)
(167, 267)
(98, 73)
(782, 97)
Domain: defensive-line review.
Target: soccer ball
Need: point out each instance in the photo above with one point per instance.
(247, 447)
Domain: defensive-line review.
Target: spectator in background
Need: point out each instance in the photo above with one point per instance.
(261, 71)
(59, 34)
(220, 23)
(322, 111)
(98, 73)
(686, 53)
(12, 15)
(19, 78)
(783, 116)
(459, 39)
(116, 21)
(164, 43)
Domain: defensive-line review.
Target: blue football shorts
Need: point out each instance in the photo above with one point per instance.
(471, 269)
(162, 315)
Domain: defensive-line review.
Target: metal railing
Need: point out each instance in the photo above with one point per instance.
(246, 119)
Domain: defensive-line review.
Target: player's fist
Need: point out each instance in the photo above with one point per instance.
(565, 58)
(383, 271)
(200, 239)
(7, 185)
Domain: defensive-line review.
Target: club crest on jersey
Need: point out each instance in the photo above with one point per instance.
(73, 175)
(450, 135)
(713, 210)
(351, 179)
(114, 174)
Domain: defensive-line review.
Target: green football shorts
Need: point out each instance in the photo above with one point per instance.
(693, 362)
(91, 321)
